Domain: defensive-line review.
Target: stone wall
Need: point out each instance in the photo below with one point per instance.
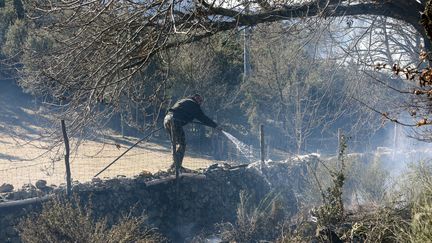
(202, 199)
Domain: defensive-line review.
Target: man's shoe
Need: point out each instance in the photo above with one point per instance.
(186, 170)
(171, 169)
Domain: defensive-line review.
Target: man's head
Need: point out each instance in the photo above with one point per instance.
(198, 98)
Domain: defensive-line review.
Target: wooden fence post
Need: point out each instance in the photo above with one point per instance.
(68, 172)
(339, 137)
(122, 125)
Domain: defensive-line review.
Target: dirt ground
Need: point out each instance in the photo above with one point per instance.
(22, 162)
(24, 158)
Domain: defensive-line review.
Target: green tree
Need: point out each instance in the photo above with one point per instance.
(13, 31)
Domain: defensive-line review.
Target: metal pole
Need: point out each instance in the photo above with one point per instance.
(68, 172)
(395, 137)
(246, 49)
(262, 144)
(246, 57)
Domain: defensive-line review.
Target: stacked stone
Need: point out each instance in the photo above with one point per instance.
(40, 189)
(197, 202)
(179, 209)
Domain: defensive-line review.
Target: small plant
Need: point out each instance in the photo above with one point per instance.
(331, 212)
(64, 221)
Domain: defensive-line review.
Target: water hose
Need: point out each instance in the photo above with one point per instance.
(131, 147)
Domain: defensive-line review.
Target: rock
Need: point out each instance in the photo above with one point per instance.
(145, 173)
(19, 195)
(6, 188)
(41, 184)
(28, 186)
(9, 196)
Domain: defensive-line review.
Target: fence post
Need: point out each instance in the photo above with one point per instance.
(122, 125)
(262, 145)
(339, 136)
(68, 172)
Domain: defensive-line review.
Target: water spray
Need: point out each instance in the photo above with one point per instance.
(243, 148)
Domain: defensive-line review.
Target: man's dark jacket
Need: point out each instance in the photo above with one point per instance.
(185, 110)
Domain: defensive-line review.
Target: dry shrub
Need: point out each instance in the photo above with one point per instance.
(64, 221)
(383, 225)
(262, 222)
(420, 225)
(404, 216)
(410, 218)
(302, 232)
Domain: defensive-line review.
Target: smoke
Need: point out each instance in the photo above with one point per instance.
(401, 150)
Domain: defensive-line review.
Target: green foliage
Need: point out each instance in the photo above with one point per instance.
(332, 213)
(15, 38)
(66, 222)
(7, 17)
(13, 32)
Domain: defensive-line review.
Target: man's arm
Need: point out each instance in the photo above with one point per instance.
(200, 116)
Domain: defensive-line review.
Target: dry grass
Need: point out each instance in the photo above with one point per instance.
(18, 165)
(68, 222)
(256, 222)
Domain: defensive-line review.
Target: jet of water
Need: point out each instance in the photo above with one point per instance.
(243, 148)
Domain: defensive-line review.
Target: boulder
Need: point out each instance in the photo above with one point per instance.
(6, 188)
(41, 184)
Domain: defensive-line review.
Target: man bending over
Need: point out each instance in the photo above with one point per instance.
(183, 112)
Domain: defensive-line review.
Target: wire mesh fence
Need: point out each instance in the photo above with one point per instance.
(23, 163)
